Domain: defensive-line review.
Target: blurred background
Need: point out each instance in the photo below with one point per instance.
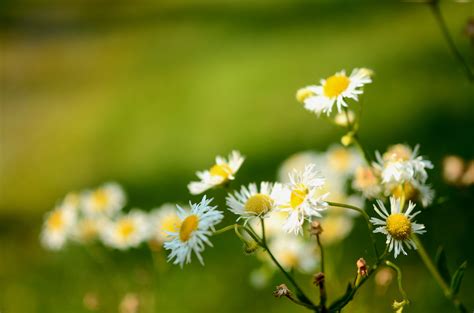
(147, 93)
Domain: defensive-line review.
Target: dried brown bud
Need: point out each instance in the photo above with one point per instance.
(282, 291)
(362, 267)
(316, 228)
(318, 279)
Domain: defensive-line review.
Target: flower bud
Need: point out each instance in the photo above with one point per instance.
(316, 228)
(282, 291)
(362, 269)
(318, 279)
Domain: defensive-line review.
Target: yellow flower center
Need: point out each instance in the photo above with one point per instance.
(298, 195)
(223, 170)
(407, 189)
(125, 228)
(100, 199)
(335, 85)
(189, 225)
(399, 226)
(170, 223)
(55, 220)
(259, 204)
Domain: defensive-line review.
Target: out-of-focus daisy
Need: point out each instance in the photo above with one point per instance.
(344, 119)
(126, 231)
(299, 199)
(343, 160)
(164, 220)
(293, 252)
(252, 201)
(107, 199)
(195, 228)
(298, 162)
(335, 89)
(57, 227)
(400, 164)
(398, 226)
(88, 229)
(219, 174)
(336, 227)
(367, 182)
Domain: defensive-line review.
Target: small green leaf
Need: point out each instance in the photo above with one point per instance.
(441, 264)
(457, 278)
(342, 300)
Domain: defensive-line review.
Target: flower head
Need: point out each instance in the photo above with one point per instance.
(126, 231)
(252, 201)
(293, 252)
(107, 199)
(397, 225)
(195, 227)
(220, 173)
(57, 227)
(367, 181)
(164, 220)
(299, 198)
(335, 90)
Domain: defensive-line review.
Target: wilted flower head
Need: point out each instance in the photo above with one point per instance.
(335, 89)
(195, 227)
(220, 173)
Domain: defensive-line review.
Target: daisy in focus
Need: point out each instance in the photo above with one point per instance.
(299, 198)
(164, 220)
(195, 227)
(107, 199)
(219, 174)
(335, 89)
(127, 231)
(57, 227)
(253, 201)
(397, 225)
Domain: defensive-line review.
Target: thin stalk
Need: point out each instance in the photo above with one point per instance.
(399, 278)
(436, 275)
(361, 149)
(322, 290)
(318, 240)
(366, 217)
(434, 5)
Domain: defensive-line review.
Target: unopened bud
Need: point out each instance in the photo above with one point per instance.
(316, 228)
(347, 139)
(362, 267)
(318, 279)
(282, 291)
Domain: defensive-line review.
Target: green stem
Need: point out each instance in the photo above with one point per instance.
(434, 5)
(224, 229)
(361, 149)
(366, 217)
(436, 275)
(399, 278)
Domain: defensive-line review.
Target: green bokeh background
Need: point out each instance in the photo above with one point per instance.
(146, 93)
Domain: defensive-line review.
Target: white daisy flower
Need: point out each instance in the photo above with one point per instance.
(195, 228)
(400, 164)
(220, 173)
(251, 202)
(108, 199)
(335, 89)
(292, 252)
(57, 227)
(88, 229)
(367, 181)
(164, 220)
(397, 225)
(299, 200)
(342, 160)
(126, 231)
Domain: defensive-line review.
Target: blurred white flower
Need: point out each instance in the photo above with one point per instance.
(126, 231)
(293, 252)
(336, 90)
(88, 229)
(195, 228)
(344, 119)
(298, 198)
(367, 182)
(398, 226)
(220, 173)
(252, 201)
(336, 227)
(342, 160)
(163, 221)
(57, 227)
(107, 199)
